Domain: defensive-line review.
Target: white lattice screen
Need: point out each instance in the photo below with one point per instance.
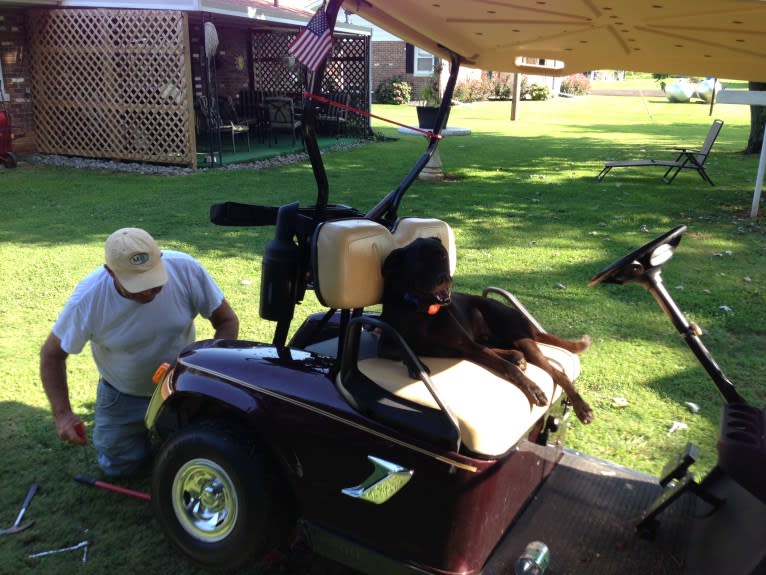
(113, 83)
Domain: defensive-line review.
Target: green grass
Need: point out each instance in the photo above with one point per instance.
(528, 216)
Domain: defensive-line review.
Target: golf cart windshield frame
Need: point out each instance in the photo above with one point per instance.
(385, 211)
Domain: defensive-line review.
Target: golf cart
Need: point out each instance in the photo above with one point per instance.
(433, 465)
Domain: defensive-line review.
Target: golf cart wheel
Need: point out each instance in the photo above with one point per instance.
(217, 498)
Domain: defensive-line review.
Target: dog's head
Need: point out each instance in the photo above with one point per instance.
(419, 273)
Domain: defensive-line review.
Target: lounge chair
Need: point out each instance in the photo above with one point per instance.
(686, 159)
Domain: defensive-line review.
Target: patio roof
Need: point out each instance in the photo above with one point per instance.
(266, 11)
(722, 38)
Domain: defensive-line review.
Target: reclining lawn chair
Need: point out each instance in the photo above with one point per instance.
(687, 159)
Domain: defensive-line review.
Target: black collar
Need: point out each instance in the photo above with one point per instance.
(429, 308)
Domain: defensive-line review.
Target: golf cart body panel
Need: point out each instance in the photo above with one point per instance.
(288, 399)
(298, 432)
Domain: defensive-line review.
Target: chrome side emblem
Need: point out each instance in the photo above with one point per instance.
(383, 483)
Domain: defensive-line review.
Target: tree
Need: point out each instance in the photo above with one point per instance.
(757, 121)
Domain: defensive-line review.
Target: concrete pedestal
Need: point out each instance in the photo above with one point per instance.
(433, 169)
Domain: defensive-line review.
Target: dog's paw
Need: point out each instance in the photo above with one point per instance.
(414, 373)
(583, 344)
(520, 361)
(583, 411)
(536, 395)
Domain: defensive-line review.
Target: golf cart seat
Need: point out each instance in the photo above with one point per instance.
(492, 414)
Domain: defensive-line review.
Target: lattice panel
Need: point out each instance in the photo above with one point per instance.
(346, 71)
(272, 75)
(113, 83)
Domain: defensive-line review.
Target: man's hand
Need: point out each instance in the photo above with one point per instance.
(72, 429)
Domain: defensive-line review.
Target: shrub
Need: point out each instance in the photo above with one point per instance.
(501, 86)
(472, 90)
(538, 92)
(395, 90)
(577, 84)
(494, 85)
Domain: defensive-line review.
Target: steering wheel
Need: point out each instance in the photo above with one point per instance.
(648, 257)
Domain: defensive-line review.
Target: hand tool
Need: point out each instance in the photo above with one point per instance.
(16, 527)
(79, 429)
(112, 487)
(80, 545)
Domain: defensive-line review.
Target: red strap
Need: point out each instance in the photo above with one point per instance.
(427, 133)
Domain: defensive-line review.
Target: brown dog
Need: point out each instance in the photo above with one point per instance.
(417, 302)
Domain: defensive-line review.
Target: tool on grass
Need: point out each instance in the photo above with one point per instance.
(80, 545)
(113, 487)
(17, 526)
(79, 429)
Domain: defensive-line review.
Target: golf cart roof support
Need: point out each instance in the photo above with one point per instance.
(386, 209)
(308, 126)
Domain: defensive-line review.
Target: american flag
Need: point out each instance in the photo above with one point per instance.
(314, 43)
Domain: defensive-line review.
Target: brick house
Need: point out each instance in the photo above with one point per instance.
(15, 86)
(121, 79)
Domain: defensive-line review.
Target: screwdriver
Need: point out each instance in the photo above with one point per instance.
(79, 429)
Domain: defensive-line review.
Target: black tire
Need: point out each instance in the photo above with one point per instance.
(9, 159)
(216, 497)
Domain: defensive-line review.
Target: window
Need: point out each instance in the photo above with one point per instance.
(424, 62)
(418, 62)
(3, 94)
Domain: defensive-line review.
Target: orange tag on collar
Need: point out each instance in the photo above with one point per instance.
(433, 309)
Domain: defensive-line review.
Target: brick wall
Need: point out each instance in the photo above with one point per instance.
(389, 60)
(231, 60)
(14, 54)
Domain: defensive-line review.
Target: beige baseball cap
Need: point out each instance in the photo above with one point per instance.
(136, 260)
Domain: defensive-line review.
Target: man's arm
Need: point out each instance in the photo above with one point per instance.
(225, 322)
(53, 375)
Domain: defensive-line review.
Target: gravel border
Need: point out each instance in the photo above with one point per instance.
(166, 170)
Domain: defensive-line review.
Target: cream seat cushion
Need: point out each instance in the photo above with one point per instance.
(349, 256)
(493, 413)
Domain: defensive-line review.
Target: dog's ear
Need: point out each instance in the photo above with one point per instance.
(392, 262)
(437, 238)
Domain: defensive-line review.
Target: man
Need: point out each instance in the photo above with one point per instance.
(137, 311)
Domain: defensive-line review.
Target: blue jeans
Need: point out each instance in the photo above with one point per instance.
(120, 434)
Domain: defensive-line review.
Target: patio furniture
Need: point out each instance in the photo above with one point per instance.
(686, 159)
(333, 117)
(215, 122)
(252, 111)
(281, 115)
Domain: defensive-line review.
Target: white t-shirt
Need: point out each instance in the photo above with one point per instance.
(129, 340)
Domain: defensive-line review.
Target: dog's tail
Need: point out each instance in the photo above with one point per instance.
(574, 346)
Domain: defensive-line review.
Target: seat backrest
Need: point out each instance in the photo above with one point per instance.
(281, 112)
(710, 139)
(335, 111)
(347, 257)
(210, 112)
(228, 110)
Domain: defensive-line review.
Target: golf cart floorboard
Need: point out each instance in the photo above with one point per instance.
(587, 512)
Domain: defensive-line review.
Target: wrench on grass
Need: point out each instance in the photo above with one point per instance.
(17, 526)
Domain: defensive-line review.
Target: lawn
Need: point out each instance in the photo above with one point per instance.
(528, 216)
